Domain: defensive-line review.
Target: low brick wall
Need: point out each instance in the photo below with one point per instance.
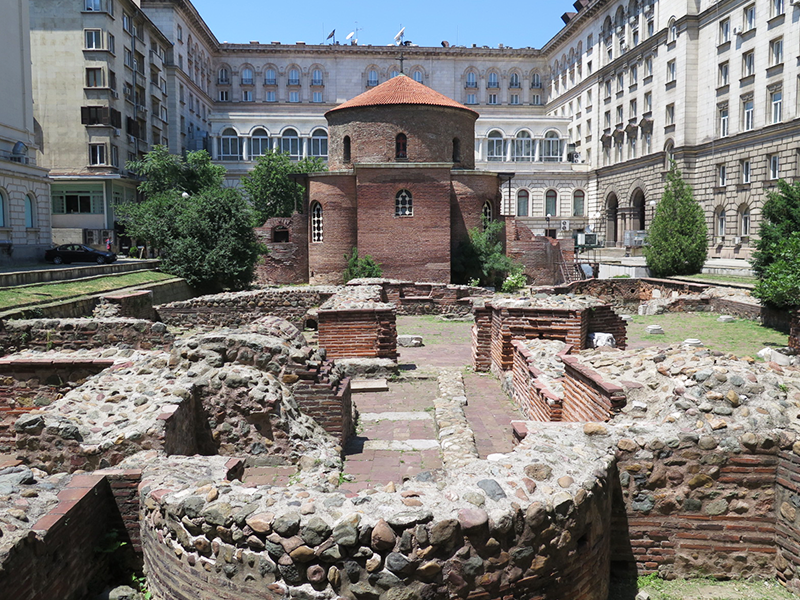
(532, 396)
(787, 512)
(629, 291)
(587, 397)
(411, 298)
(358, 333)
(328, 402)
(77, 334)
(242, 308)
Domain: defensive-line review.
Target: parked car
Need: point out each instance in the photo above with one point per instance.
(69, 253)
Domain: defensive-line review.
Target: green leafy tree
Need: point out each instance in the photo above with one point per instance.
(270, 189)
(678, 240)
(360, 267)
(779, 282)
(780, 218)
(164, 172)
(482, 257)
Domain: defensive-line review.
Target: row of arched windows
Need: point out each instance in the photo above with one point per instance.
(551, 207)
(247, 76)
(721, 221)
(29, 205)
(524, 148)
(493, 79)
(232, 145)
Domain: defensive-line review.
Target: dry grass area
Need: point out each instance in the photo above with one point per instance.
(699, 589)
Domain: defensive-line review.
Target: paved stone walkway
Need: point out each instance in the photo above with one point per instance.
(489, 412)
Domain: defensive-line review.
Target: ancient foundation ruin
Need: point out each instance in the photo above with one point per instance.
(675, 461)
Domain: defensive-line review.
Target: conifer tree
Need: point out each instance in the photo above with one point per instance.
(677, 241)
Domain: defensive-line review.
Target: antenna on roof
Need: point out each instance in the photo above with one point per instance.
(332, 34)
(398, 39)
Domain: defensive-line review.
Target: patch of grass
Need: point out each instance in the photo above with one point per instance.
(434, 331)
(710, 589)
(711, 277)
(742, 337)
(34, 294)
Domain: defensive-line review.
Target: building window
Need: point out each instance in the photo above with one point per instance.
(224, 77)
(747, 115)
(744, 220)
(487, 214)
(672, 31)
(536, 81)
(372, 78)
(472, 99)
(670, 114)
(748, 63)
(523, 147)
(259, 143)
(671, 71)
(403, 205)
(522, 203)
(513, 81)
(319, 144)
(722, 175)
(514, 99)
(271, 96)
(608, 89)
(776, 102)
(648, 101)
(632, 109)
(418, 76)
(224, 96)
(745, 171)
(720, 222)
(230, 148)
(294, 77)
(92, 5)
(67, 203)
(578, 203)
(497, 147)
(247, 95)
(472, 81)
(749, 18)
(492, 81)
(634, 74)
(620, 82)
(126, 23)
(247, 76)
(777, 8)
(492, 99)
(551, 147)
(776, 52)
(316, 222)
(290, 144)
(550, 203)
(536, 99)
(316, 77)
(456, 150)
(30, 213)
(269, 77)
(294, 96)
(93, 39)
(97, 154)
(401, 146)
(774, 166)
(94, 77)
(316, 97)
(648, 66)
(723, 121)
(724, 31)
(723, 73)
(180, 33)
(112, 44)
(346, 149)
(115, 156)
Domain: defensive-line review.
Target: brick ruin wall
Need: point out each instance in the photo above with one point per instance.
(358, 333)
(535, 400)
(587, 397)
(286, 262)
(794, 331)
(542, 257)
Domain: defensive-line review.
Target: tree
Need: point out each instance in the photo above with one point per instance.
(779, 282)
(163, 172)
(780, 218)
(270, 189)
(358, 268)
(482, 257)
(678, 240)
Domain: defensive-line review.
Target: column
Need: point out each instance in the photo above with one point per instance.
(564, 148)
(215, 147)
(537, 150)
(508, 142)
(245, 148)
(305, 147)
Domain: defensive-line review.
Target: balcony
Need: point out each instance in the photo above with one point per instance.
(316, 82)
(293, 82)
(271, 81)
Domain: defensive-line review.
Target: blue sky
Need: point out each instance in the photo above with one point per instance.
(486, 23)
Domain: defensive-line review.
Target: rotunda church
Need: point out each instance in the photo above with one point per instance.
(402, 185)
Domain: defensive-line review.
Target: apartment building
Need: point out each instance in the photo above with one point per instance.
(24, 187)
(100, 90)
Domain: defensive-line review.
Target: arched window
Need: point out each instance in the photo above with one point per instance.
(247, 76)
(456, 150)
(403, 205)
(551, 147)
(319, 144)
(669, 155)
(294, 77)
(224, 76)
(551, 203)
(316, 222)
(372, 78)
(497, 146)
(418, 76)
(280, 234)
(578, 203)
(672, 31)
(513, 81)
(472, 80)
(290, 144)
(523, 147)
(492, 81)
(230, 148)
(30, 212)
(401, 146)
(259, 143)
(346, 149)
(3, 209)
(522, 203)
(394, 74)
(719, 220)
(270, 78)
(316, 77)
(536, 80)
(744, 220)
(487, 214)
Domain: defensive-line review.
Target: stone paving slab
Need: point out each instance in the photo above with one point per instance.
(402, 446)
(395, 416)
(278, 475)
(489, 412)
(359, 386)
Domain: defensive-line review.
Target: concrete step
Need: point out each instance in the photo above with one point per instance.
(361, 386)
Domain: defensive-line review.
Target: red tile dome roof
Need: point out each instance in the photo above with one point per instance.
(401, 90)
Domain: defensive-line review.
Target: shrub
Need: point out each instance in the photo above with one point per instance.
(516, 280)
(482, 257)
(359, 268)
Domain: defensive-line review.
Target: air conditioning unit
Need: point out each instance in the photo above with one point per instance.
(737, 31)
(564, 225)
(114, 94)
(116, 133)
(131, 139)
(719, 240)
(737, 241)
(794, 2)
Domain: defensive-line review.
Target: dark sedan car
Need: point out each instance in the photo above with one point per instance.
(69, 253)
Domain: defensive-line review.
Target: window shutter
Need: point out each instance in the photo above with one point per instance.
(105, 115)
(97, 204)
(59, 205)
(85, 115)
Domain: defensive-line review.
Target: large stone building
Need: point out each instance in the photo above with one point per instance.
(24, 187)
(588, 123)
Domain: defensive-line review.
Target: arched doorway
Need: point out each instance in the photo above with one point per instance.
(612, 206)
(638, 217)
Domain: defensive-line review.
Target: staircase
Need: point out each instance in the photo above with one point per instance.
(568, 271)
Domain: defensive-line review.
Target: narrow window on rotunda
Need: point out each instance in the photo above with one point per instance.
(401, 146)
(456, 150)
(346, 149)
(403, 206)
